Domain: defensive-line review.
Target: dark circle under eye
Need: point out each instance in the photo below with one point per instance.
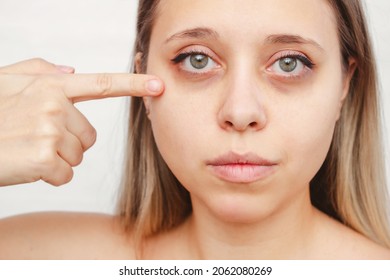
(199, 61)
(288, 64)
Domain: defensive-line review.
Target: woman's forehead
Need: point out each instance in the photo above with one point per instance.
(255, 19)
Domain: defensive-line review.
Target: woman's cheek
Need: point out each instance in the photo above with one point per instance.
(307, 136)
(177, 119)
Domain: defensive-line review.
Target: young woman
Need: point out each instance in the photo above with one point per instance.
(264, 144)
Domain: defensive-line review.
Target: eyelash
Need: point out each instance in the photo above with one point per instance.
(180, 57)
(307, 63)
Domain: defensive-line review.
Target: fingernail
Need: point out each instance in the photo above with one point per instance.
(65, 69)
(154, 86)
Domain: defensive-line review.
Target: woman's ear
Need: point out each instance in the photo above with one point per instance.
(352, 64)
(146, 100)
(138, 62)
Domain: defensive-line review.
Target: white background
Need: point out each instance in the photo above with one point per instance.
(97, 36)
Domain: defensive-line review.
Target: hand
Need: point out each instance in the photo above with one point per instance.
(42, 134)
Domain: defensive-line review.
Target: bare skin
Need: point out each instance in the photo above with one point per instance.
(267, 219)
(94, 236)
(329, 240)
(63, 236)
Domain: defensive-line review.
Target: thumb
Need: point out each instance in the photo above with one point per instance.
(36, 66)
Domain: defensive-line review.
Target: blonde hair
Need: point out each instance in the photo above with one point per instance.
(351, 184)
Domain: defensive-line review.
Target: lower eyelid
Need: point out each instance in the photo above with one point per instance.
(183, 60)
(290, 77)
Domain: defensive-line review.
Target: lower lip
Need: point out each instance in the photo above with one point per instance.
(242, 173)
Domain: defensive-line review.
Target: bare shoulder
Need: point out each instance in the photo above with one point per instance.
(341, 242)
(64, 236)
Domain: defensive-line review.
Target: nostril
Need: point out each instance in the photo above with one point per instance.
(253, 124)
(229, 123)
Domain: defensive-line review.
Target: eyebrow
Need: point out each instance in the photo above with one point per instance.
(194, 33)
(207, 33)
(291, 39)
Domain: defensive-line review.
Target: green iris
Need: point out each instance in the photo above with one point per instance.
(288, 64)
(199, 61)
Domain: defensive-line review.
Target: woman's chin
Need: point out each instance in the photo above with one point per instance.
(241, 211)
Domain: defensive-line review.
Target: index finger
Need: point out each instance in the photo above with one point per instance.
(83, 87)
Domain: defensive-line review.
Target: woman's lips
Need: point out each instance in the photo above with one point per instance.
(245, 168)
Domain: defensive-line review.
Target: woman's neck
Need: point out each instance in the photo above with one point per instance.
(284, 234)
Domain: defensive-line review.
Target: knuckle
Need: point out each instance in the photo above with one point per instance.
(52, 108)
(77, 160)
(49, 134)
(45, 159)
(61, 177)
(45, 88)
(76, 156)
(66, 176)
(137, 85)
(88, 137)
(43, 81)
(43, 85)
(46, 154)
(39, 63)
(104, 84)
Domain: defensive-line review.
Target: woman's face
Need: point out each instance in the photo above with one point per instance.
(253, 90)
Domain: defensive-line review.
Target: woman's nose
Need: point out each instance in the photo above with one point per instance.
(242, 107)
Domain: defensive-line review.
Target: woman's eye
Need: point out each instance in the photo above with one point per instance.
(291, 66)
(195, 62)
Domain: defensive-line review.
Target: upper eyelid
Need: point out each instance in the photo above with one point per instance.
(184, 55)
(194, 49)
(290, 53)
